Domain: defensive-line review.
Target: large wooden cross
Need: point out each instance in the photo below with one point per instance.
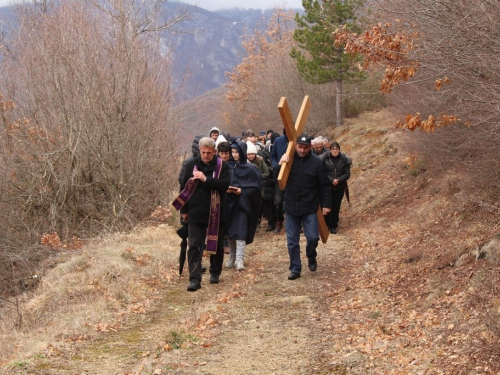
(293, 131)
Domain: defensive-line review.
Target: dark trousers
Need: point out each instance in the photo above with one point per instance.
(332, 219)
(270, 212)
(196, 243)
(280, 215)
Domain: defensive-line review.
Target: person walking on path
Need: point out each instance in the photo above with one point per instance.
(182, 232)
(243, 205)
(258, 162)
(278, 149)
(214, 133)
(338, 168)
(202, 203)
(268, 187)
(318, 147)
(306, 188)
(224, 153)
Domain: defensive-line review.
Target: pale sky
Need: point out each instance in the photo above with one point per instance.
(243, 4)
(227, 4)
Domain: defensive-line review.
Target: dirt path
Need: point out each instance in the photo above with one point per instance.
(348, 317)
(273, 325)
(253, 322)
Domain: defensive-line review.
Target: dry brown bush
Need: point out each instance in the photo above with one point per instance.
(86, 121)
(456, 49)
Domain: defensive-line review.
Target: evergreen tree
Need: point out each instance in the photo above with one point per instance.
(324, 62)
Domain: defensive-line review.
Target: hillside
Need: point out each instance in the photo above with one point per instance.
(398, 291)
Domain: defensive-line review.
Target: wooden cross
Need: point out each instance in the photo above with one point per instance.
(293, 131)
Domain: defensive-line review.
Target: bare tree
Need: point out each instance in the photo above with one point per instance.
(87, 136)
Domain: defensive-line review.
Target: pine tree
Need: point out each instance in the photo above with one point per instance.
(323, 62)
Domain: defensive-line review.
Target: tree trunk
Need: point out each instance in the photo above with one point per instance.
(338, 102)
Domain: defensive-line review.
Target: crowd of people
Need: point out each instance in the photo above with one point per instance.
(228, 186)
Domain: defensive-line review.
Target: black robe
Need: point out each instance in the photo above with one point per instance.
(243, 210)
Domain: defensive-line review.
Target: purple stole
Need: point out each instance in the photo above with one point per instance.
(213, 219)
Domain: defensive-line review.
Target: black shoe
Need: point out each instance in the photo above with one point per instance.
(333, 230)
(293, 276)
(203, 269)
(313, 265)
(214, 279)
(194, 286)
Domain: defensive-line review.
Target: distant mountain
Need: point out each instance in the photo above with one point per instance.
(204, 47)
(210, 45)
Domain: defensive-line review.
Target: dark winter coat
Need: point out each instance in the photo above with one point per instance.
(268, 183)
(198, 206)
(337, 168)
(243, 209)
(278, 149)
(258, 162)
(195, 148)
(307, 186)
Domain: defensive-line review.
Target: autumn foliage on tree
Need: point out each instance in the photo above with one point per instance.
(263, 48)
(382, 46)
(441, 66)
(268, 72)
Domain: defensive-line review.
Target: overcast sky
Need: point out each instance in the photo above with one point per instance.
(226, 4)
(244, 4)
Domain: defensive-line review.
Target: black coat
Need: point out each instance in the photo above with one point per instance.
(268, 183)
(243, 209)
(198, 206)
(337, 168)
(307, 186)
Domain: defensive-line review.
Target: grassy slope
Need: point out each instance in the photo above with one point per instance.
(386, 298)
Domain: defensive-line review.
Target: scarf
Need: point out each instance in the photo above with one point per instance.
(215, 201)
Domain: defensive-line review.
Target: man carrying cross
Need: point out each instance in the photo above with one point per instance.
(307, 187)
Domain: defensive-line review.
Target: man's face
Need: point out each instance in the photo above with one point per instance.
(207, 154)
(252, 138)
(235, 153)
(214, 135)
(302, 149)
(224, 155)
(318, 147)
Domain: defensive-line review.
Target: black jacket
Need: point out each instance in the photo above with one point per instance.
(198, 206)
(307, 186)
(341, 170)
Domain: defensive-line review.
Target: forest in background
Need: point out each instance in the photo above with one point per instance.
(89, 112)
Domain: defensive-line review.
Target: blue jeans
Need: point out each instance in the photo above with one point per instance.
(310, 226)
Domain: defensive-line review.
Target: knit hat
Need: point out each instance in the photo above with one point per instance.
(220, 139)
(251, 149)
